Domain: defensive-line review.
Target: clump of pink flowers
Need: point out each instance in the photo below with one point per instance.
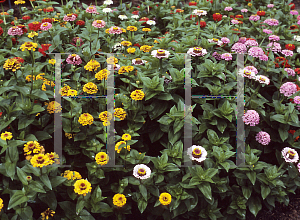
(239, 48)
(287, 53)
(226, 56)
(275, 47)
(251, 43)
(290, 71)
(256, 52)
(251, 118)
(99, 24)
(288, 89)
(267, 31)
(263, 138)
(274, 38)
(271, 22)
(15, 31)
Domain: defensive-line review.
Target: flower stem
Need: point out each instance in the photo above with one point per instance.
(281, 166)
(198, 30)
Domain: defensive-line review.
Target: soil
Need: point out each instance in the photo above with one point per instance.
(281, 212)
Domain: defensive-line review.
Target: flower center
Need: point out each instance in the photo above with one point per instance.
(73, 55)
(142, 172)
(91, 8)
(165, 199)
(291, 154)
(262, 79)
(45, 24)
(69, 15)
(115, 28)
(99, 22)
(82, 186)
(215, 40)
(161, 52)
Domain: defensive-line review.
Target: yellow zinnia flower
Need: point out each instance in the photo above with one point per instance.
(52, 61)
(54, 107)
(105, 116)
(6, 136)
(86, 119)
(29, 46)
(19, 2)
(131, 28)
(112, 60)
(82, 187)
(126, 137)
(90, 88)
(92, 65)
(146, 29)
(120, 113)
(165, 198)
(102, 158)
(32, 34)
(1, 204)
(146, 48)
(137, 95)
(32, 147)
(71, 175)
(131, 50)
(12, 64)
(46, 214)
(72, 92)
(40, 160)
(102, 74)
(126, 43)
(119, 200)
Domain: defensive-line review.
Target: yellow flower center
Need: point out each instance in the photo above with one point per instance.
(161, 52)
(45, 24)
(115, 28)
(73, 55)
(99, 22)
(215, 39)
(142, 172)
(197, 151)
(91, 8)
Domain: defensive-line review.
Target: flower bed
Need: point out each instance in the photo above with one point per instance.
(147, 178)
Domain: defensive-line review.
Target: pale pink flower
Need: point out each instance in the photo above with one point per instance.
(270, 5)
(228, 9)
(216, 56)
(297, 99)
(252, 69)
(244, 10)
(225, 40)
(99, 23)
(275, 47)
(287, 53)
(115, 30)
(69, 17)
(141, 171)
(271, 22)
(254, 18)
(242, 40)
(74, 59)
(160, 53)
(15, 30)
(255, 52)
(251, 43)
(274, 38)
(288, 89)
(267, 31)
(247, 73)
(262, 79)
(298, 17)
(226, 56)
(264, 58)
(233, 21)
(197, 153)
(294, 12)
(263, 138)
(290, 71)
(92, 9)
(46, 26)
(298, 22)
(199, 12)
(239, 48)
(290, 155)
(214, 40)
(197, 51)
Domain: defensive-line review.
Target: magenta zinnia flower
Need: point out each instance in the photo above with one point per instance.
(263, 138)
(115, 30)
(242, 40)
(225, 40)
(15, 31)
(74, 59)
(216, 55)
(99, 24)
(297, 99)
(271, 22)
(287, 53)
(294, 12)
(77, 41)
(267, 31)
(46, 26)
(251, 118)
(239, 48)
(274, 38)
(288, 89)
(92, 9)
(251, 43)
(255, 52)
(275, 47)
(290, 71)
(264, 58)
(254, 18)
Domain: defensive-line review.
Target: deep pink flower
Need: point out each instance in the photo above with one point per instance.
(288, 89)
(263, 138)
(74, 59)
(251, 118)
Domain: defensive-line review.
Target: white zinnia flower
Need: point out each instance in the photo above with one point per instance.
(199, 12)
(298, 49)
(262, 79)
(135, 16)
(160, 53)
(247, 73)
(141, 171)
(197, 153)
(214, 40)
(108, 2)
(297, 38)
(290, 155)
(122, 17)
(106, 10)
(118, 46)
(197, 51)
(151, 22)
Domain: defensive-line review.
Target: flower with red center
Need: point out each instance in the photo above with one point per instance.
(77, 42)
(290, 46)
(47, 20)
(261, 13)
(293, 6)
(202, 24)
(160, 53)
(80, 23)
(192, 3)
(34, 26)
(217, 17)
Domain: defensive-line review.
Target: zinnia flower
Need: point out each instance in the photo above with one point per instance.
(239, 48)
(91, 9)
(262, 79)
(227, 9)
(46, 26)
(271, 22)
(115, 30)
(69, 17)
(90, 88)
(287, 53)
(46, 214)
(6, 136)
(74, 59)
(226, 56)
(101, 158)
(290, 155)
(15, 30)
(267, 31)
(92, 65)
(141, 171)
(82, 187)
(251, 118)
(138, 61)
(217, 17)
(137, 95)
(263, 138)
(165, 198)
(199, 12)
(160, 53)
(197, 51)
(255, 52)
(197, 153)
(288, 89)
(40, 160)
(99, 24)
(12, 64)
(119, 200)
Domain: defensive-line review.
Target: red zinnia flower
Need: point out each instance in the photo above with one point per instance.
(297, 70)
(202, 24)
(12, 23)
(75, 15)
(144, 19)
(293, 6)
(179, 11)
(26, 17)
(2, 1)
(1, 114)
(290, 46)
(210, 1)
(281, 61)
(1, 21)
(1, 31)
(135, 12)
(47, 20)
(298, 88)
(44, 48)
(192, 3)
(291, 131)
(239, 16)
(261, 13)
(293, 27)
(34, 26)
(137, 45)
(231, 16)
(48, 9)
(80, 22)
(24, 29)
(217, 17)
(14, 41)
(19, 59)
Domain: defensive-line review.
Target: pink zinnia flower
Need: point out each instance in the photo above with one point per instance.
(216, 56)
(294, 12)
(115, 30)
(267, 31)
(228, 9)
(77, 41)
(298, 17)
(69, 17)
(226, 56)
(290, 71)
(297, 99)
(263, 138)
(225, 40)
(74, 59)
(251, 43)
(247, 73)
(288, 89)
(15, 31)
(270, 5)
(242, 40)
(275, 47)
(239, 48)
(298, 22)
(252, 69)
(251, 118)
(233, 21)
(272, 22)
(46, 26)
(244, 10)
(262, 79)
(264, 58)
(91, 9)
(287, 53)
(197, 51)
(254, 18)
(290, 155)
(99, 24)
(255, 52)
(274, 38)
(160, 53)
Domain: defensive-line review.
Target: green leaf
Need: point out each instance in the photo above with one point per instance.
(17, 198)
(79, 205)
(142, 205)
(252, 176)
(143, 191)
(221, 125)
(205, 189)
(69, 208)
(24, 121)
(212, 136)
(36, 186)
(265, 191)
(22, 176)
(85, 215)
(246, 192)
(45, 179)
(283, 132)
(57, 180)
(36, 109)
(254, 205)
(49, 198)
(134, 181)
(42, 135)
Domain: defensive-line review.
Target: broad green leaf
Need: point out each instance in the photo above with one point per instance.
(205, 188)
(22, 176)
(143, 191)
(265, 191)
(17, 198)
(254, 205)
(45, 179)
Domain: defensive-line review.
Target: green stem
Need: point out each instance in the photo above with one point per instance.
(160, 66)
(3, 14)
(125, 154)
(198, 31)
(280, 166)
(32, 54)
